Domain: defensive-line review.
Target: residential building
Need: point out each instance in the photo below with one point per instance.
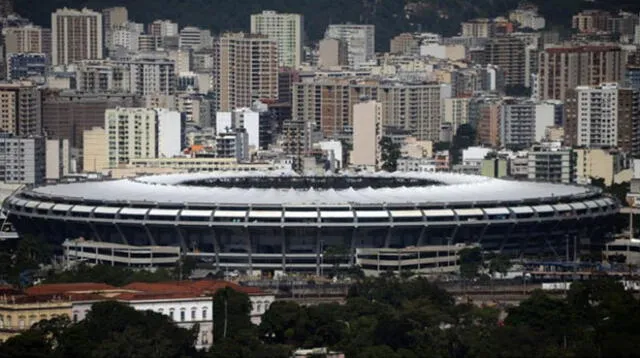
(113, 17)
(456, 112)
(328, 103)
(171, 133)
(233, 144)
(332, 53)
(367, 133)
(195, 38)
(149, 43)
(163, 28)
(287, 29)
(95, 154)
(495, 167)
(22, 159)
(591, 21)
(23, 66)
(249, 119)
(599, 164)
(521, 124)
(295, 137)
(131, 133)
(604, 116)
(239, 80)
(76, 35)
(57, 159)
(484, 115)
(27, 39)
(550, 162)
(562, 67)
(198, 109)
(508, 53)
(20, 108)
(405, 44)
(482, 28)
(528, 18)
(149, 74)
(359, 39)
(124, 36)
(67, 114)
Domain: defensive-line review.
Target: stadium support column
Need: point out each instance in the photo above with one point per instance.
(482, 233)
(354, 235)
(283, 247)
(122, 235)
(507, 236)
(95, 231)
(423, 234)
(183, 243)
(318, 253)
(247, 234)
(152, 240)
(216, 247)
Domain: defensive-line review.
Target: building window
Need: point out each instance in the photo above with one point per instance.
(182, 315)
(204, 313)
(193, 314)
(171, 314)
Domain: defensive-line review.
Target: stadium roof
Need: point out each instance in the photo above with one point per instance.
(458, 188)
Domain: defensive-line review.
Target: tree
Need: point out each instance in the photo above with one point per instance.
(231, 311)
(281, 323)
(111, 329)
(499, 264)
(465, 137)
(390, 153)
(470, 262)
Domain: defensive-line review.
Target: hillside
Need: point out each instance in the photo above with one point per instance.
(389, 16)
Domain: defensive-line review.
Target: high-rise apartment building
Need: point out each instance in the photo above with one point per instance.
(27, 39)
(131, 134)
(94, 150)
(76, 35)
(405, 44)
(591, 21)
(295, 136)
(604, 116)
(22, 66)
(67, 114)
(482, 28)
(149, 74)
(520, 125)
(112, 17)
(287, 29)
(508, 53)
(20, 109)
(455, 112)
(245, 69)
(57, 159)
(163, 28)
(550, 163)
(328, 104)
(367, 133)
(564, 67)
(359, 39)
(22, 159)
(332, 53)
(195, 38)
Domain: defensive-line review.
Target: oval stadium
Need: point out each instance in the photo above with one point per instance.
(284, 221)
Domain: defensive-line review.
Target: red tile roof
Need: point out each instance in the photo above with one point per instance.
(61, 288)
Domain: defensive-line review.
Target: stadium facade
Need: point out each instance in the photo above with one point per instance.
(282, 221)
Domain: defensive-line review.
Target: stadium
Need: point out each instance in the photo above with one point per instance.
(284, 221)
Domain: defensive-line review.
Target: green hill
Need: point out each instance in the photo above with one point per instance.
(390, 16)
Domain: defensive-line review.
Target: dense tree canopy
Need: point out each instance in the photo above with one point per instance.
(390, 16)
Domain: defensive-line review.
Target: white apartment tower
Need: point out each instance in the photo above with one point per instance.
(76, 35)
(287, 29)
(360, 40)
(131, 134)
(367, 133)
